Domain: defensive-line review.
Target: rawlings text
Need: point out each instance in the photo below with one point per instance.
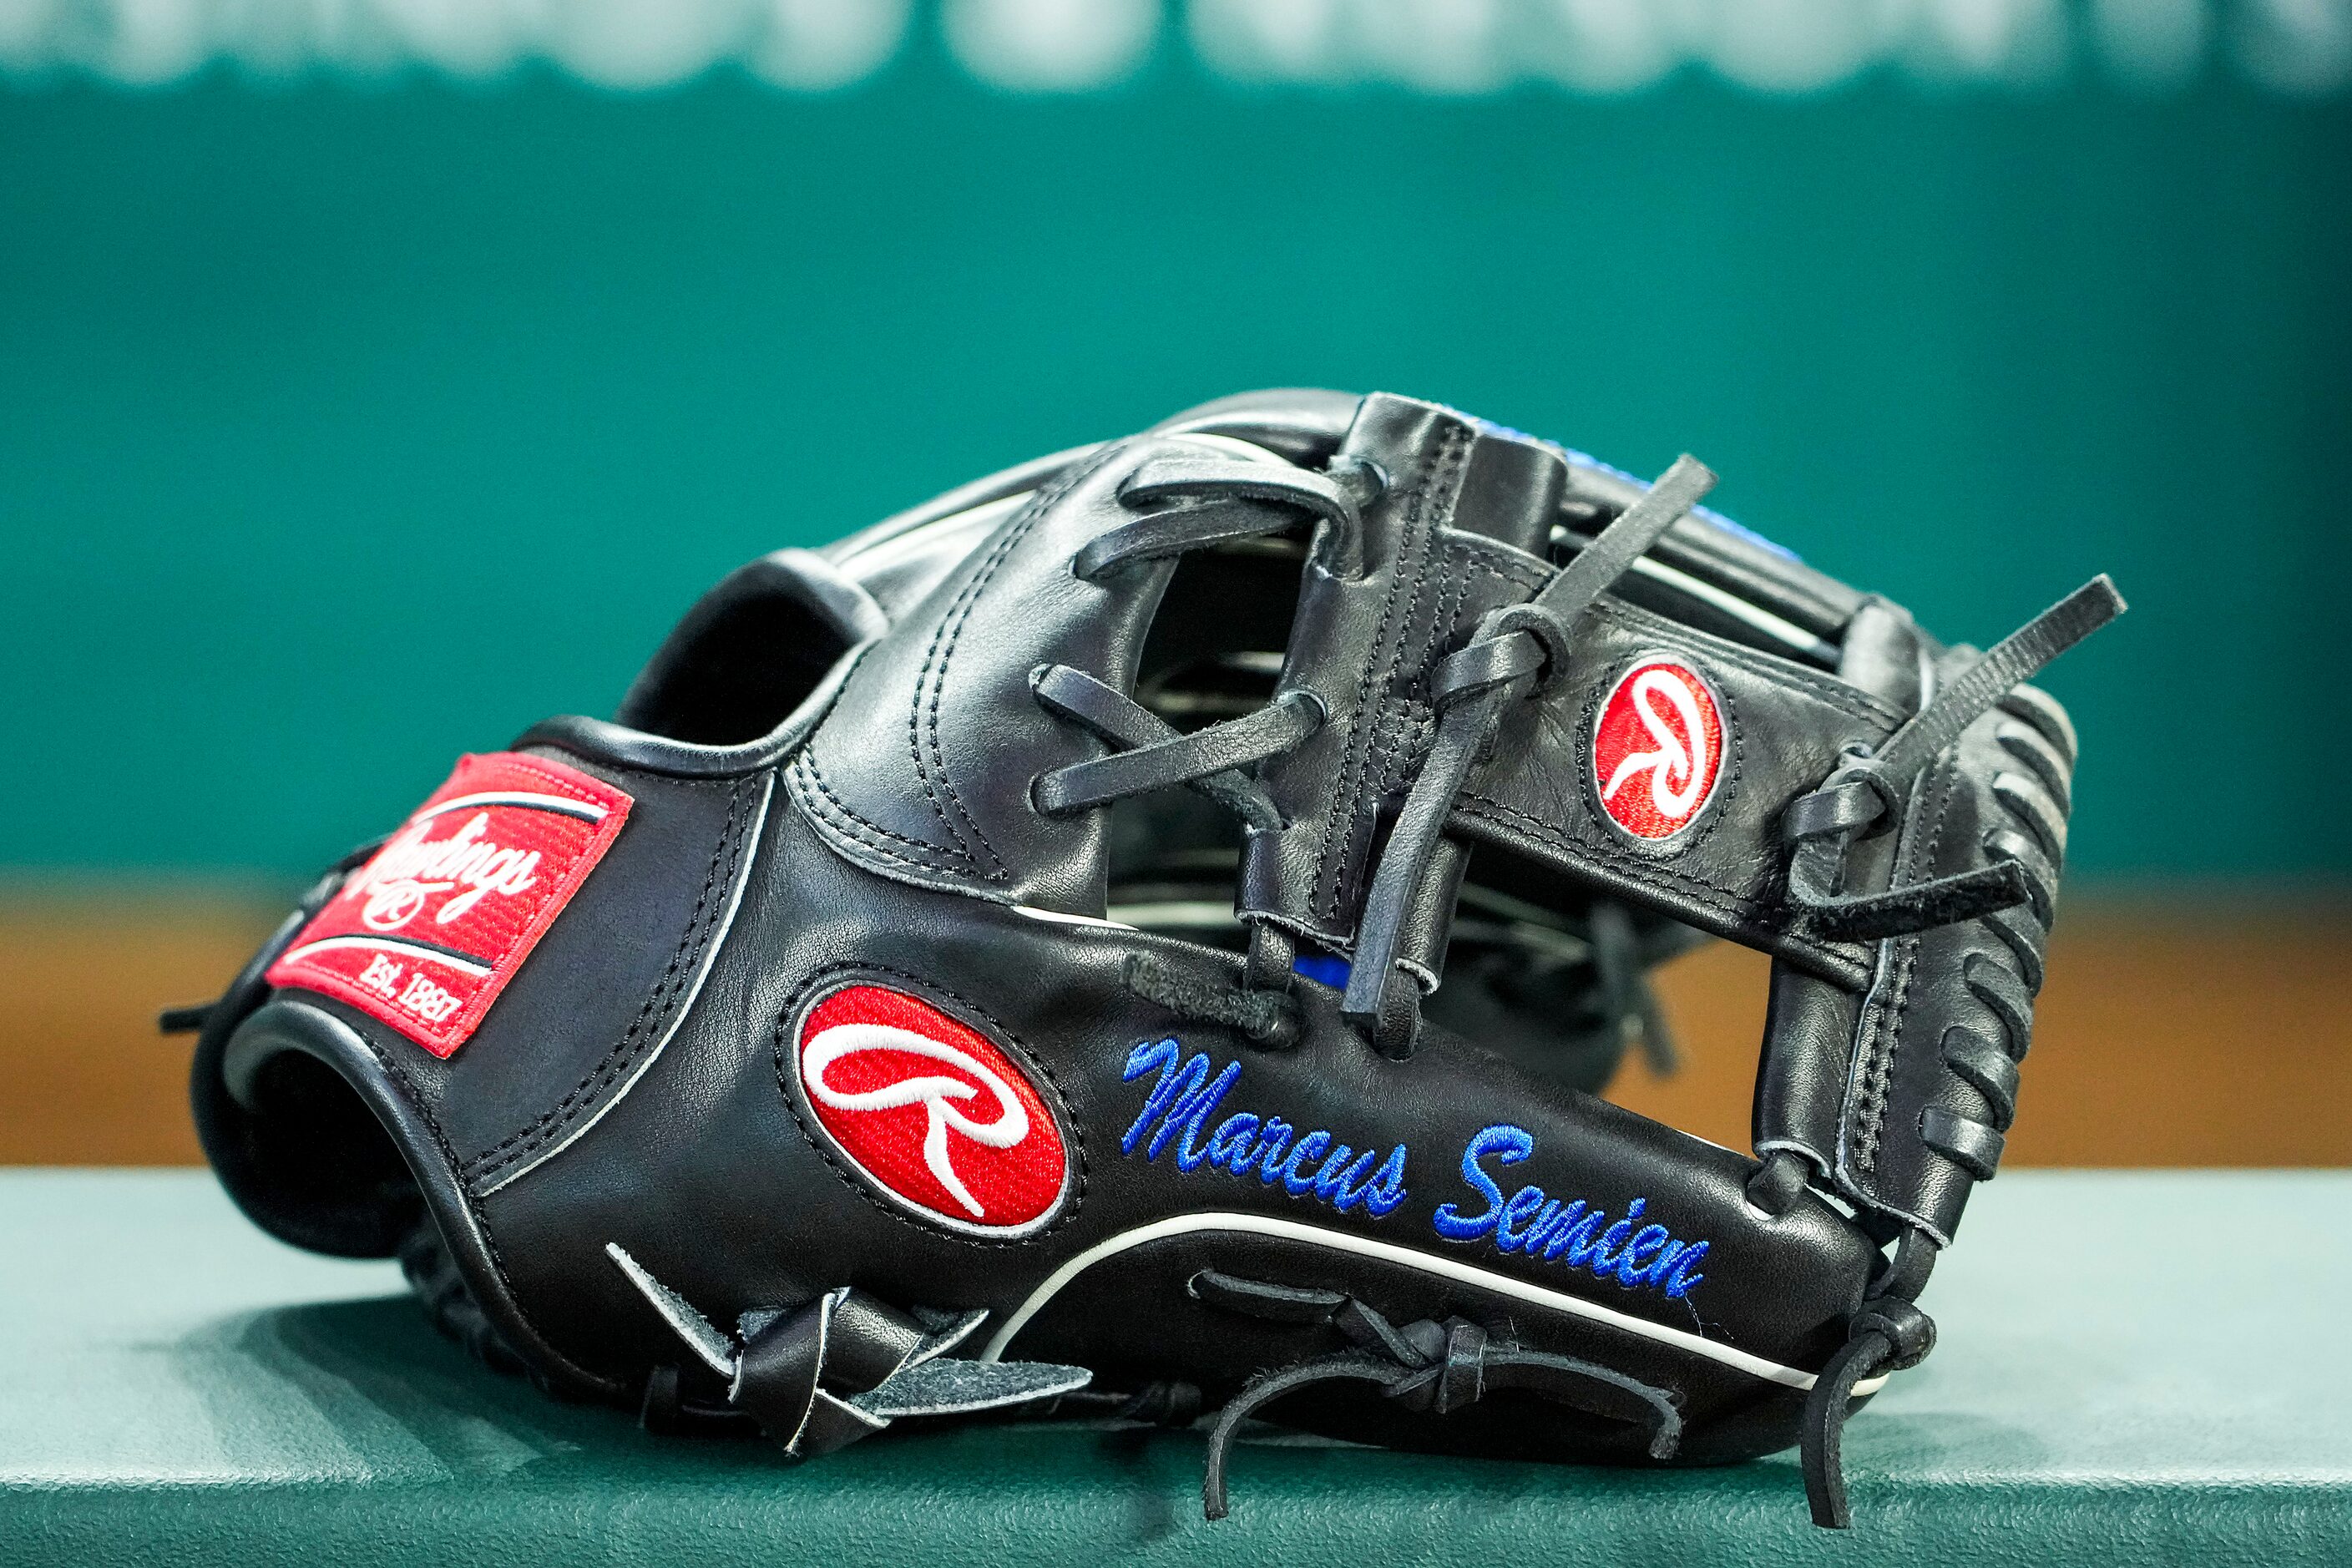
(425, 935)
(412, 868)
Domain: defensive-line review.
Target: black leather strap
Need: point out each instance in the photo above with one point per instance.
(1609, 556)
(1472, 688)
(2013, 661)
(1820, 826)
(1427, 1366)
(1226, 516)
(824, 1374)
(1170, 758)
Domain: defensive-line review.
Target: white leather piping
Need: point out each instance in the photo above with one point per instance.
(686, 1004)
(1404, 1256)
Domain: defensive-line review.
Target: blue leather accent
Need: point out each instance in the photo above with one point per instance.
(1323, 968)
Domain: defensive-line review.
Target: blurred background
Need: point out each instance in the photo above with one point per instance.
(377, 376)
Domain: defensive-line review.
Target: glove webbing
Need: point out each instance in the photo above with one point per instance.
(1514, 652)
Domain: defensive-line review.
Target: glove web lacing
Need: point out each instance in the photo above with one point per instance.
(1515, 651)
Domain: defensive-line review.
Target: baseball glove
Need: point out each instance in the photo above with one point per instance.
(775, 1055)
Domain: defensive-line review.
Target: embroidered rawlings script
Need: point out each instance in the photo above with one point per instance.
(1535, 1224)
(1184, 1097)
(425, 935)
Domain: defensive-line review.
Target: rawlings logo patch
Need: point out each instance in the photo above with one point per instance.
(1657, 748)
(425, 935)
(931, 1111)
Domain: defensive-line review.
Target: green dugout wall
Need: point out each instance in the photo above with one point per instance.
(354, 412)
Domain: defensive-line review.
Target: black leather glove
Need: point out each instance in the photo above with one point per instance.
(778, 1053)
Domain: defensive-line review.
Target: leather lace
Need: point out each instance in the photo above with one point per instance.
(1889, 1334)
(2013, 895)
(1429, 1367)
(1230, 500)
(1867, 795)
(1220, 502)
(1514, 654)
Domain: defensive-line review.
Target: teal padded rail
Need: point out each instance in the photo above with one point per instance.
(2134, 1368)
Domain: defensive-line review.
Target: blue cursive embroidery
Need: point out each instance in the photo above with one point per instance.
(1537, 1225)
(1184, 1097)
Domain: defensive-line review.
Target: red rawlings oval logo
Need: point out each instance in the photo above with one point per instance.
(1657, 748)
(932, 1112)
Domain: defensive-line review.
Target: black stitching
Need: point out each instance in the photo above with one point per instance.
(805, 768)
(1511, 564)
(1360, 736)
(659, 1005)
(1419, 635)
(959, 616)
(1413, 543)
(1851, 700)
(1700, 891)
(923, 680)
(1739, 912)
(1876, 1083)
(1886, 1025)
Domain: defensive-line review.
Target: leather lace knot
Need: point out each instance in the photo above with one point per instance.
(1429, 1367)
